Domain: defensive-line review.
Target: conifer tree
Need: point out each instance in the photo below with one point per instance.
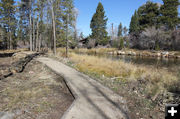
(121, 46)
(23, 20)
(134, 24)
(169, 13)
(120, 30)
(148, 15)
(98, 26)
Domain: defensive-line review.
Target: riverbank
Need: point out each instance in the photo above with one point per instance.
(142, 86)
(131, 52)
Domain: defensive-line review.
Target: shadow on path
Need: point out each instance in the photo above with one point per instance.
(106, 97)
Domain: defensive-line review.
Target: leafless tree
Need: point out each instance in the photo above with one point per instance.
(151, 38)
(91, 43)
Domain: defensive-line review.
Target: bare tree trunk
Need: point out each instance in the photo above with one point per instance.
(112, 37)
(37, 37)
(67, 35)
(54, 29)
(10, 41)
(51, 38)
(33, 46)
(39, 47)
(30, 25)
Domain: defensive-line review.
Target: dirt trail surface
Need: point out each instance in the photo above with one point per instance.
(92, 100)
(36, 93)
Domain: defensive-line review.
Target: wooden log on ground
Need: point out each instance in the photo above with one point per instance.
(6, 54)
(18, 66)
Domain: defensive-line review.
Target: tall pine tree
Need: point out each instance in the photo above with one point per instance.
(120, 30)
(23, 16)
(98, 26)
(169, 13)
(134, 24)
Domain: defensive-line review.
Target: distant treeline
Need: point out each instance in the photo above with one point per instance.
(49, 23)
(156, 26)
(153, 26)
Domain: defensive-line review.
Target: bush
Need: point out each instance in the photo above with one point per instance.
(91, 43)
(152, 38)
(121, 43)
(176, 39)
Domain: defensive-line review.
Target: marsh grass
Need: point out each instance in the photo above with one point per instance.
(88, 51)
(141, 85)
(95, 50)
(100, 51)
(155, 79)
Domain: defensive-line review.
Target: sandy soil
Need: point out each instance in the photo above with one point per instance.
(36, 93)
(5, 62)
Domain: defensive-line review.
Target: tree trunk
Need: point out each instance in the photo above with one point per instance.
(67, 35)
(54, 30)
(10, 41)
(30, 25)
(33, 46)
(39, 43)
(37, 37)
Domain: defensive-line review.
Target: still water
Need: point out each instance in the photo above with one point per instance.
(157, 62)
(172, 65)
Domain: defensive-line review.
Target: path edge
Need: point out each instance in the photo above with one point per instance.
(74, 95)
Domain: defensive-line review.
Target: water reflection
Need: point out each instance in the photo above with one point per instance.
(172, 65)
(160, 62)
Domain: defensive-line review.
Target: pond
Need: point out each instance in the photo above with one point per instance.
(171, 64)
(157, 62)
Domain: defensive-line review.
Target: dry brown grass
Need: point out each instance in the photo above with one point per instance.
(89, 51)
(12, 51)
(110, 68)
(95, 50)
(108, 50)
(142, 86)
(158, 79)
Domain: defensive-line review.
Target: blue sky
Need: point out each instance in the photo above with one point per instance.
(116, 10)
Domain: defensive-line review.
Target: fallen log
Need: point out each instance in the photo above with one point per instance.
(18, 67)
(6, 54)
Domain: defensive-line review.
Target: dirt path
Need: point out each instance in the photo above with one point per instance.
(93, 100)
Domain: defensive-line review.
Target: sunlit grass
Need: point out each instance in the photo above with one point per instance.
(114, 51)
(111, 68)
(157, 79)
(88, 51)
(11, 51)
